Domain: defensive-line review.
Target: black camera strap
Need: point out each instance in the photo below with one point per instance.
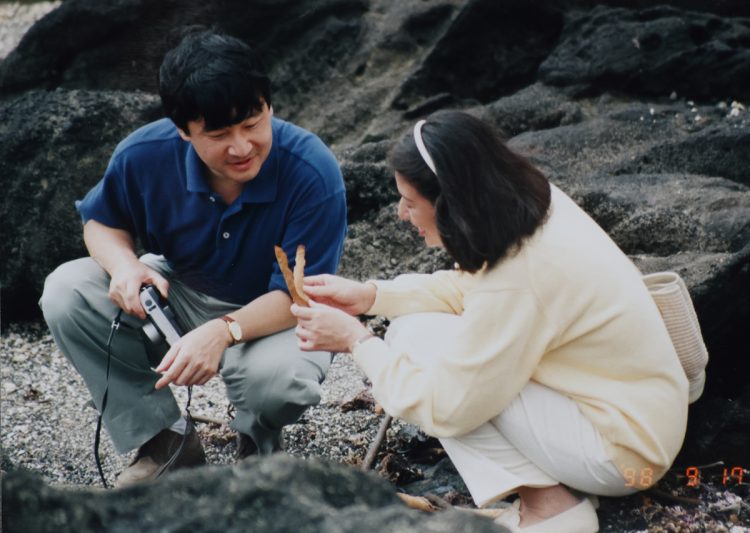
(189, 428)
(115, 326)
(97, 438)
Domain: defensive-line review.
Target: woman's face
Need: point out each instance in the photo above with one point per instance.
(419, 211)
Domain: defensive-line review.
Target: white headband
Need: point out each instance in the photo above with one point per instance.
(421, 147)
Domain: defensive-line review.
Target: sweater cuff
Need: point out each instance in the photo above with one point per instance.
(371, 355)
(380, 305)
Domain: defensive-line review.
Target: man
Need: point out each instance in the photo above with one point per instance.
(207, 192)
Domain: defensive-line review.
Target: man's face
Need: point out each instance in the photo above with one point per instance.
(234, 153)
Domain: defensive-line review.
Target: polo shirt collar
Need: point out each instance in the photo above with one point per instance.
(194, 171)
(261, 189)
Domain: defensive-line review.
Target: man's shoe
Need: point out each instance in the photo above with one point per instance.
(153, 455)
(246, 446)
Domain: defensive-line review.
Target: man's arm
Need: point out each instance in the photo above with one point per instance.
(114, 250)
(265, 315)
(194, 359)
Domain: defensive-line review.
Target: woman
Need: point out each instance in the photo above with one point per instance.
(541, 363)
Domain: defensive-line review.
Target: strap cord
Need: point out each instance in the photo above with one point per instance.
(113, 328)
(97, 438)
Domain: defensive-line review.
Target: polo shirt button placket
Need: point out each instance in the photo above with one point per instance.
(213, 200)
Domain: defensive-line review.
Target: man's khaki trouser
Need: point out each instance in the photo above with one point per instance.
(269, 381)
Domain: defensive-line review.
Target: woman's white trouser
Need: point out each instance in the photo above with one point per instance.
(539, 440)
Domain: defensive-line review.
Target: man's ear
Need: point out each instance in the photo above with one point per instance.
(185, 136)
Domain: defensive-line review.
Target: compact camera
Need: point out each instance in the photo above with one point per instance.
(162, 323)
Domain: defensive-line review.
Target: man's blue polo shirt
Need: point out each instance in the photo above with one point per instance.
(154, 189)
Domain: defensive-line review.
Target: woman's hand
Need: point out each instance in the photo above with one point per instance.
(324, 328)
(195, 358)
(350, 296)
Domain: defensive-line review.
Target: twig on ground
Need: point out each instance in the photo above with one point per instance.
(208, 420)
(417, 502)
(660, 494)
(372, 451)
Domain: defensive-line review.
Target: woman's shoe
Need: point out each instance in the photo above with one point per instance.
(578, 519)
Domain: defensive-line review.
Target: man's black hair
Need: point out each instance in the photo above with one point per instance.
(487, 198)
(214, 77)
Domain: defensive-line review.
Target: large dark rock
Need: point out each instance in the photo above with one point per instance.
(279, 493)
(533, 108)
(653, 52)
(496, 45)
(54, 146)
(385, 247)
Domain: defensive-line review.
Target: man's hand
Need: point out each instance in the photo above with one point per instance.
(350, 296)
(194, 359)
(125, 285)
(114, 250)
(324, 328)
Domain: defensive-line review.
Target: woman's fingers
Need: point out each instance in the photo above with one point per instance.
(317, 279)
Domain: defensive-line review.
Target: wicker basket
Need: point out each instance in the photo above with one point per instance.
(676, 308)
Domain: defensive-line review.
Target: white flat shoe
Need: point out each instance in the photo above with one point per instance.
(578, 519)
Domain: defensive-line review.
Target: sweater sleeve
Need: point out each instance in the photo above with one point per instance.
(483, 364)
(440, 292)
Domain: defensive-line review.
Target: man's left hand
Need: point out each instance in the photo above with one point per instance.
(194, 359)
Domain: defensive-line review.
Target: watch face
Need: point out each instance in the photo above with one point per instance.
(235, 331)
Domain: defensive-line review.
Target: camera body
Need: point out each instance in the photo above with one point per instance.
(162, 323)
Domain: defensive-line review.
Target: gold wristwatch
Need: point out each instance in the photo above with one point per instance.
(234, 329)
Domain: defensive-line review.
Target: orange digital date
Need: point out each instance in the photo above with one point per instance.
(644, 477)
(729, 475)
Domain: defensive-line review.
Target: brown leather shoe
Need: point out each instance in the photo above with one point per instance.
(246, 446)
(158, 451)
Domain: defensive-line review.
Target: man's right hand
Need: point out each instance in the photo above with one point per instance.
(350, 296)
(125, 285)
(114, 250)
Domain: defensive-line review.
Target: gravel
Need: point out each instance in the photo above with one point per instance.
(48, 424)
(48, 427)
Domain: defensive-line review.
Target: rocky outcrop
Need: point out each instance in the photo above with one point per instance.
(652, 52)
(634, 108)
(279, 493)
(54, 146)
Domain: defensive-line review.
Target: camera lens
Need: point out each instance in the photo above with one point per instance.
(149, 303)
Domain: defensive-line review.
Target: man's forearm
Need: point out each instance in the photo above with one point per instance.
(110, 247)
(113, 248)
(265, 315)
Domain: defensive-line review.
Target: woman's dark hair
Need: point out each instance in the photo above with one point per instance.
(487, 198)
(215, 77)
